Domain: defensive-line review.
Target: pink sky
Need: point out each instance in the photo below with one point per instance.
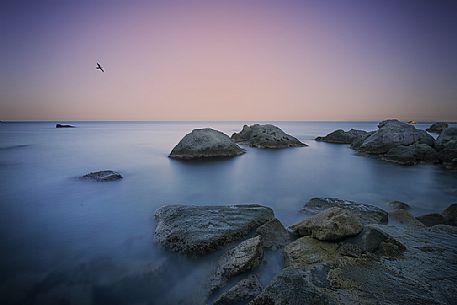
(210, 60)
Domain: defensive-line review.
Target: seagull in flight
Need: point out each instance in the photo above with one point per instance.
(99, 67)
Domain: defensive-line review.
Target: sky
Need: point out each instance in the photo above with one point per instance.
(228, 60)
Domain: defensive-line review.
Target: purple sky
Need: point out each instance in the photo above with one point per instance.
(228, 60)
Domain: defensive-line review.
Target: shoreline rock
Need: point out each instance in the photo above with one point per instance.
(437, 127)
(265, 136)
(198, 230)
(205, 143)
(343, 137)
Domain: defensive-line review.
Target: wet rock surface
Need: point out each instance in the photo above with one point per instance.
(265, 136)
(411, 154)
(331, 224)
(243, 292)
(273, 234)
(343, 137)
(366, 213)
(242, 258)
(103, 176)
(197, 230)
(205, 143)
(450, 215)
(403, 217)
(437, 127)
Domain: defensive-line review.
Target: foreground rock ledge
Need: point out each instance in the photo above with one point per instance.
(265, 136)
(205, 143)
(197, 230)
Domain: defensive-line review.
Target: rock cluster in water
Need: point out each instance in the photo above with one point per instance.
(205, 143)
(401, 143)
(343, 252)
(265, 136)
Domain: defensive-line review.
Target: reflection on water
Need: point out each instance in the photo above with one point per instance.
(66, 241)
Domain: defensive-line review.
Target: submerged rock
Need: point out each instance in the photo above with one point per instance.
(244, 257)
(392, 133)
(205, 143)
(273, 234)
(265, 136)
(331, 224)
(450, 215)
(243, 292)
(365, 213)
(64, 126)
(197, 230)
(431, 219)
(411, 154)
(403, 217)
(437, 127)
(398, 205)
(343, 137)
(103, 176)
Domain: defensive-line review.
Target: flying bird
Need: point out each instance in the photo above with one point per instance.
(100, 67)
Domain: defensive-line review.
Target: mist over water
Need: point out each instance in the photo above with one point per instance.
(68, 241)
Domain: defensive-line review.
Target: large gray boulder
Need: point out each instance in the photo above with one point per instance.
(103, 176)
(411, 154)
(243, 292)
(197, 230)
(343, 137)
(205, 143)
(437, 127)
(366, 213)
(265, 136)
(331, 224)
(392, 133)
(244, 257)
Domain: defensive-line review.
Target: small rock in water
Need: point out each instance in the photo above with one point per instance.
(265, 136)
(103, 176)
(332, 224)
(403, 217)
(343, 137)
(64, 126)
(450, 215)
(431, 219)
(243, 292)
(244, 257)
(437, 127)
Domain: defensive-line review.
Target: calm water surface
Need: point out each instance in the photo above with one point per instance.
(67, 241)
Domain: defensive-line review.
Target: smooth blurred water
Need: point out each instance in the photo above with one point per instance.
(67, 241)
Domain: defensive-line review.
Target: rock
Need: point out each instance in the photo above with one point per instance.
(450, 215)
(398, 205)
(403, 217)
(373, 240)
(437, 127)
(343, 137)
(331, 224)
(356, 143)
(446, 145)
(243, 292)
(197, 230)
(273, 234)
(307, 251)
(431, 219)
(265, 136)
(64, 126)
(366, 213)
(103, 176)
(392, 133)
(411, 154)
(244, 257)
(294, 286)
(205, 143)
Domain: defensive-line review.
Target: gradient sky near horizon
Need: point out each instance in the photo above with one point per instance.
(228, 60)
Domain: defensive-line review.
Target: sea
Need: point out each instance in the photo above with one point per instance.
(65, 241)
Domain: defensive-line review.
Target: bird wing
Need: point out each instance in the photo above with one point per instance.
(102, 69)
(98, 65)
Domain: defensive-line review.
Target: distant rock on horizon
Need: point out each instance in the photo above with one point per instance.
(265, 136)
(64, 126)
